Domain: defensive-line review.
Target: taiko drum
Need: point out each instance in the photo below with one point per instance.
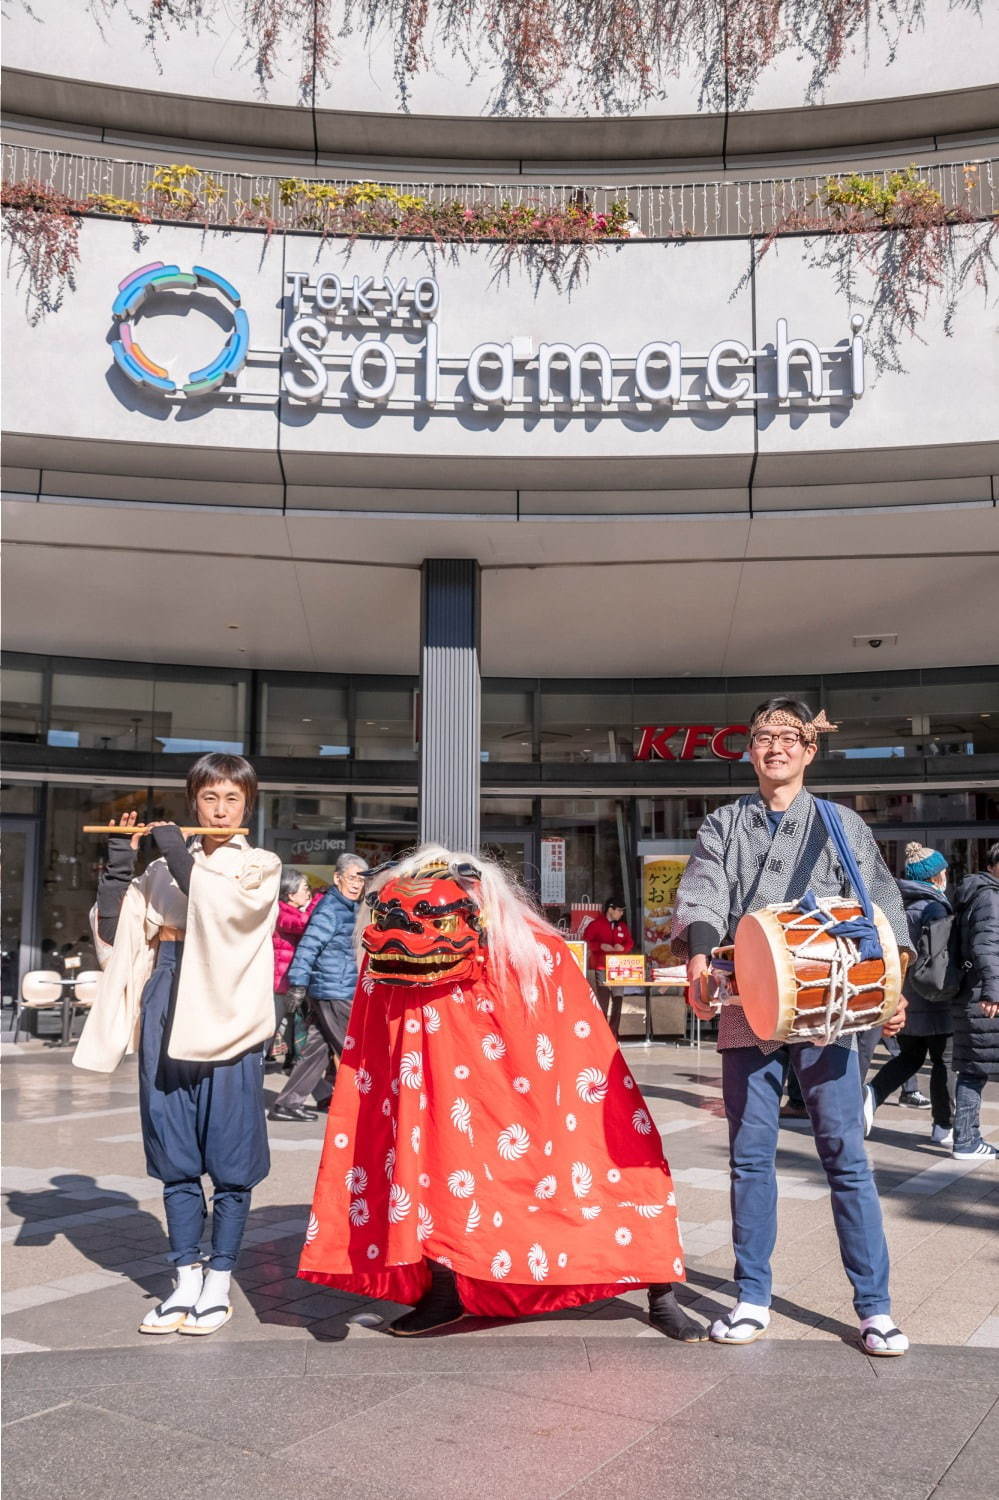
(795, 982)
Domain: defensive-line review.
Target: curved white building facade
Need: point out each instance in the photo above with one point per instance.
(720, 451)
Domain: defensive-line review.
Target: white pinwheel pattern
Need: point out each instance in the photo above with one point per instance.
(431, 1018)
(341, 1140)
(461, 1184)
(362, 1081)
(678, 1267)
(531, 995)
(412, 1025)
(458, 996)
(425, 1223)
(348, 1043)
(537, 1262)
(512, 1142)
(414, 1137)
(582, 1179)
(358, 1212)
(399, 1203)
(591, 1210)
(312, 1230)
(368, 985)
(559, 1000)
(522, 1085)
(623, 1236)
(645, 1210)
(545, 1053)
(591, 1086)
(493, 1047)
(501, 1264)
(485, 1006)
(474, 1218)
(640, 1120)
(390, 1162)
(546, 1188)
(545, 957)
(582, 1030)
(411, 1070)
(461, 1118)
(356, 1180)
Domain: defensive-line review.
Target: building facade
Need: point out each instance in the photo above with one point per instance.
(458, 534)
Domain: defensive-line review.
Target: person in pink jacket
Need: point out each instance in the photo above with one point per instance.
(295, 906)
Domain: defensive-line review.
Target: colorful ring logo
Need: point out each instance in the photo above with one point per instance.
(137, 365)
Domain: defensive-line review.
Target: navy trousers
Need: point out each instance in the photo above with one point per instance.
(830, 1085)
(199, 1119)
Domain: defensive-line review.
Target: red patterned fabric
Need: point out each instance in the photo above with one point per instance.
(509, 1143)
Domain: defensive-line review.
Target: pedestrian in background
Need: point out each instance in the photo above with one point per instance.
(322, 975)
(975, 1012)
(608, 933)
(927, 1018)
(295, 906)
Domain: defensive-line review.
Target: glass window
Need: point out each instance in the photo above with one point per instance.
(310, 831)
(72, 860)
(97, 712)
(506, 812)
(915, 719)
(190, 718)
(22, 706)
(304, 720)
(599, 859)
(674, 819)
(586, 728)
(19, 797)
(507, 726)
(385, 726)
(374, 808)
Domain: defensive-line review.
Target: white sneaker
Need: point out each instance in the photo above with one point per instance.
(869, 1107)
(982, 1152)
(941, 1136)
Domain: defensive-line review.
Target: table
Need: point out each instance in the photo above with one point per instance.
(649, 985)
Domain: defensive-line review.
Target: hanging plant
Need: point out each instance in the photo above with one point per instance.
(607, 56)
(43, 230)
(894, 234)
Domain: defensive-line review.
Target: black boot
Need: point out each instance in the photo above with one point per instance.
(436, 1308)
(666, 1314)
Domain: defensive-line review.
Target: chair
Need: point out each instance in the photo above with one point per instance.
(41, 989)
(85, 988)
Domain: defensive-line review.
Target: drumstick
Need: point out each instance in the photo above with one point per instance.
(140, 828)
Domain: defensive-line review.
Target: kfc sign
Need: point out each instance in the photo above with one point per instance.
(686, 741)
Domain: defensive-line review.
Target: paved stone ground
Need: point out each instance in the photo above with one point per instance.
(303, 1393)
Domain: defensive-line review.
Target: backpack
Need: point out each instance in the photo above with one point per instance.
(937, 971)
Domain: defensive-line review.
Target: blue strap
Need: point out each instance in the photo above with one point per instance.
(862, 930)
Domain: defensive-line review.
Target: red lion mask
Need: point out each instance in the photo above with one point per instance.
(425, 928)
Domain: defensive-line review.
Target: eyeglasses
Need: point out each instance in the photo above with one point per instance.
(787, 739)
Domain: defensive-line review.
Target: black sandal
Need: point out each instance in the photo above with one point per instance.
(206, 1312)
(761, 1329)
(889, 1333)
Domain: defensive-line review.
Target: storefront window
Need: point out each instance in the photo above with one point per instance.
(506, 812)
(507, 726)
(586, 728)
(102, 712)
(385, 724)
(304, 720)
(172, 716)
(674, 820)
(22, 706)
(307, 831)
(914, 719)
(599, 858)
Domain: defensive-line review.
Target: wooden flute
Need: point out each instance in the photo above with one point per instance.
(141, 828)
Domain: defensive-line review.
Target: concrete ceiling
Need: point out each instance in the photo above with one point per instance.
(717, 595)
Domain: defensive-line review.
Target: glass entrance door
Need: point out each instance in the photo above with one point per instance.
(17, 915)
(517, 851)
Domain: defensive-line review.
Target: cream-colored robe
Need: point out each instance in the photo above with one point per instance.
(225, 1001)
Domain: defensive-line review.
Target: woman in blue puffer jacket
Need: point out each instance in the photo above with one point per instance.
(323, 973)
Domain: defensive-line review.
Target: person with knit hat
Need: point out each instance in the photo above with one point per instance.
(927, 1021)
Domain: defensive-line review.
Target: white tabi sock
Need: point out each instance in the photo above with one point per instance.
(186, 1291)
(897, 1342)
(720, 1328)
(214, 1293)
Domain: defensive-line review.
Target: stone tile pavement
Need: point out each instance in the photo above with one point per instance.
(302, 1392)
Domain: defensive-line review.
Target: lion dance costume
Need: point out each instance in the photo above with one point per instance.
(483, 1119)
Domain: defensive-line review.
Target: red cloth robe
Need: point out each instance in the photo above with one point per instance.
(507, 1142)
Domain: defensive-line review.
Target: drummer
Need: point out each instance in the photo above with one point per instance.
(769, 847)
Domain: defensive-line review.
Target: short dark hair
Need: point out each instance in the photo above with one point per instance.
(291, 878)
(786, 704)
(992, 856)
(613, 901)
(210, 769)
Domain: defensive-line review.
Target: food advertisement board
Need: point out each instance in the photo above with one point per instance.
(660, 879)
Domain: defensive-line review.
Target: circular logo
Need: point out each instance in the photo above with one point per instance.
(136, 364)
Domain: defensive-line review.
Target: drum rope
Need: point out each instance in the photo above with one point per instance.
(841, 988)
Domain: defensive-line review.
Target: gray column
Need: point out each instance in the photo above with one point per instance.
(449, 707)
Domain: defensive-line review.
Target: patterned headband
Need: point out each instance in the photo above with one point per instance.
(808, 729)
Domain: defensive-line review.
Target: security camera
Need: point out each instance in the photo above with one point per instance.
(874, 642)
